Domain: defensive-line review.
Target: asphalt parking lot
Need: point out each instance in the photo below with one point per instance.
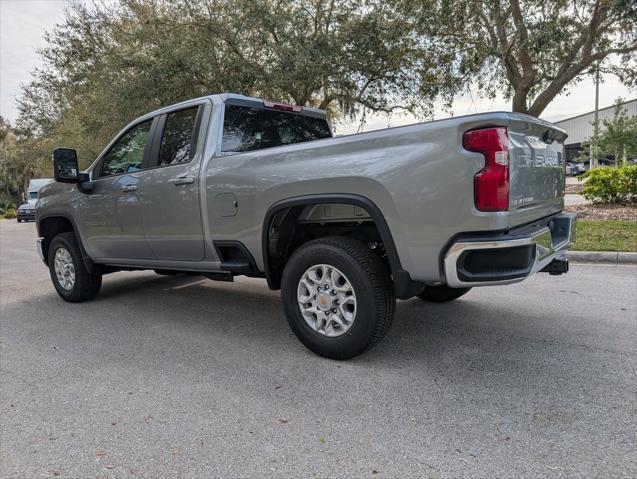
(184, 377)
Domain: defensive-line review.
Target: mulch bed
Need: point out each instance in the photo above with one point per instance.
(604, 212)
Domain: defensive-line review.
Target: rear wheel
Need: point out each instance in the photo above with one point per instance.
(442, 293)
(71, 279)
(338, 297)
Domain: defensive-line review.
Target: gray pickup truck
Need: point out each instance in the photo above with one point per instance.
(229, 185)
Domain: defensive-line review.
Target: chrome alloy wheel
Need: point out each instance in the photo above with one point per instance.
(327, 300)
(64, 269)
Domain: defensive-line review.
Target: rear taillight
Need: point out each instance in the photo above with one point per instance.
(491, 184)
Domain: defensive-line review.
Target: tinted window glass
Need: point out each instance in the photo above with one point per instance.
(176, 142)
(246, 129)
(127, 154)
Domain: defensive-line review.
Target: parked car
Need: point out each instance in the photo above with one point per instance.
(572, 169)
(581, 168)
(26, 212)
(229, 185)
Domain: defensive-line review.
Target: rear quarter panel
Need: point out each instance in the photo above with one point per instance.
(419, 177)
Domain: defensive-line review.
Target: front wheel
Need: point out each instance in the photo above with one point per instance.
(73, 282)
(338, 297)
(442, 293)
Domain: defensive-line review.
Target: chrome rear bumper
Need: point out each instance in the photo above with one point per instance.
(510, 258)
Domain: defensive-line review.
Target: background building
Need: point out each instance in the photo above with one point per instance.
(580, 127)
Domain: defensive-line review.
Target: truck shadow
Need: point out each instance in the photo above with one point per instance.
(420, 332)
(472, 344)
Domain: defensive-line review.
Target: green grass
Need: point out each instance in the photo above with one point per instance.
(608, 235)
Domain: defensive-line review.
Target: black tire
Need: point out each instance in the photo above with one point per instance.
(87, 285)
(442, 293)
(370, 279)
(19, 221)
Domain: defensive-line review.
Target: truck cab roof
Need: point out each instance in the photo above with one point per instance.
(235, 99)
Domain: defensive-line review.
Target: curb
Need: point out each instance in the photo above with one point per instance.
(608, 257)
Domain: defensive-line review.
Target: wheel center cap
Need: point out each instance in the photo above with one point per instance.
(324, 301)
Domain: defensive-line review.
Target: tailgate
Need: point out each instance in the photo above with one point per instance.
(536, 171)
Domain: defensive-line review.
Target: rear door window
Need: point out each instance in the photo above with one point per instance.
(178, 142)
(248, 129)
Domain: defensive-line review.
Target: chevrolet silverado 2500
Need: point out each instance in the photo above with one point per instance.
(229, 185)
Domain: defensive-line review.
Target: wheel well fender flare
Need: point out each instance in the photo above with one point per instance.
(402, 280)
(88, 262)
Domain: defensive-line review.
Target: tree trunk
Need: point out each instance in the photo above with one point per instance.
(519, 101)
(543, 99)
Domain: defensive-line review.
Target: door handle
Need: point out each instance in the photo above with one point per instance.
(127, 188)
(182, 180)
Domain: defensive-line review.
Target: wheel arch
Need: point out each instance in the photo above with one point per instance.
(404, 285)
(53, 224)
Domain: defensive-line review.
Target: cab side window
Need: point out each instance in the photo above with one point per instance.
(127, 154)
(177, 142)
(249, 129)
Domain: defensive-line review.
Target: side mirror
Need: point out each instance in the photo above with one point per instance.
(65, 169)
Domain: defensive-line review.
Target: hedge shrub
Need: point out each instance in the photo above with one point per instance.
(6, 206)
(9, 214)
(611, 185)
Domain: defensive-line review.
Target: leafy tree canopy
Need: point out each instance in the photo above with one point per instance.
(17, 164)
(528, 50)
(109, 63)
(617, 137)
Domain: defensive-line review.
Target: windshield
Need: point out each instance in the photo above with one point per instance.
(33, 195)
(248, 129)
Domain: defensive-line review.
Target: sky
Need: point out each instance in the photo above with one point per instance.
(23, 23)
